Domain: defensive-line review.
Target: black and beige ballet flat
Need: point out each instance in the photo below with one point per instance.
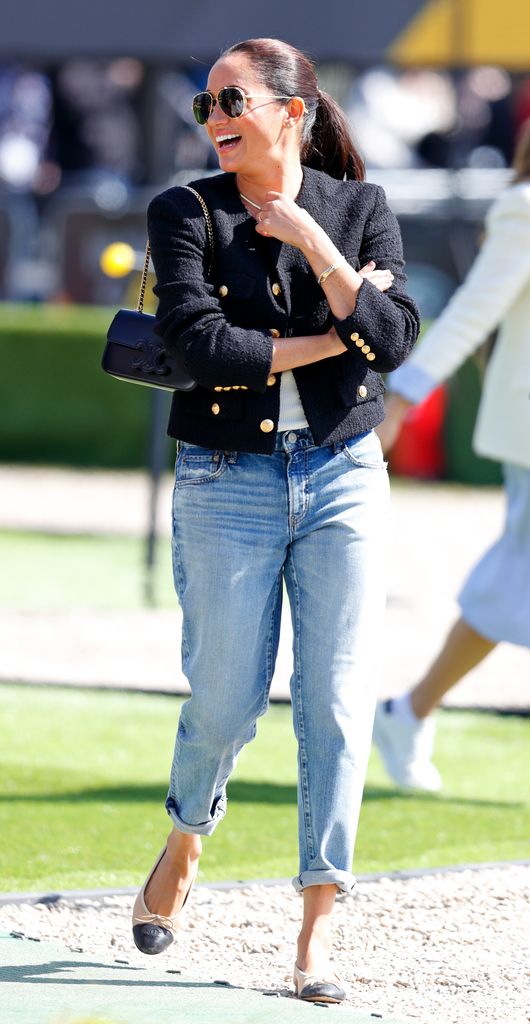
(318, 990)
(153, 933)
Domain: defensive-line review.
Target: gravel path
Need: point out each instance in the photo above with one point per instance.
(443, 948)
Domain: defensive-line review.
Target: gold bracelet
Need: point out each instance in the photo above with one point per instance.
(329, 270)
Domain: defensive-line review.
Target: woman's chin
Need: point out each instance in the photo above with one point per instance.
(230, 160)
(228, 165)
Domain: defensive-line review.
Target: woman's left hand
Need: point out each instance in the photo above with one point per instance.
(281, 218)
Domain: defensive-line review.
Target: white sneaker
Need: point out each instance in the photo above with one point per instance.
(406, 749)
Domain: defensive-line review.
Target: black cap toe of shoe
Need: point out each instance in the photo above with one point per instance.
(322, 991)
(151, 938)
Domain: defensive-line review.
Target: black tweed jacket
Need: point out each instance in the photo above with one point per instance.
(224, 324)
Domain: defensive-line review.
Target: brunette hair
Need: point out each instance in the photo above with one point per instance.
(326, 141)
(521, 159)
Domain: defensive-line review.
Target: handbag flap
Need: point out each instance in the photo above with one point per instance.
(129, 327)
(135, 353)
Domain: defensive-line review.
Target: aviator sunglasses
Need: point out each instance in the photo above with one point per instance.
(231, 99)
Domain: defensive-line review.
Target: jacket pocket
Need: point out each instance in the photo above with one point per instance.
(216, 405)
(316, 319)
(353, 390)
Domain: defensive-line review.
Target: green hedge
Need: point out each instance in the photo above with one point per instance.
(56, 404)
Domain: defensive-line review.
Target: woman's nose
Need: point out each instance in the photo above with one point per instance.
(217, 116)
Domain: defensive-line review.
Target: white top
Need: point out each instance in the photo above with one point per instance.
(292, 415)
(496, 291)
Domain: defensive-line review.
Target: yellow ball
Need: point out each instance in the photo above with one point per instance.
(117, 259)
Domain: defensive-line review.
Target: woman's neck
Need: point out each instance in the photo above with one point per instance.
(287, 180)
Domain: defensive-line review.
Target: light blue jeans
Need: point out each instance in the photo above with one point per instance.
(242, 524)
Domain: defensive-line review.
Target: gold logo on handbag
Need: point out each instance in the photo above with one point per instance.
(133, 351)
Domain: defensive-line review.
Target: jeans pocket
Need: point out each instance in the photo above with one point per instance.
(197, 465)
(365, 450)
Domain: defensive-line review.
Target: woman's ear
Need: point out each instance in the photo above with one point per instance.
(295, 110)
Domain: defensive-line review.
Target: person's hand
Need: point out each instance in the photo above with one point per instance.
(280, 217)
(336, 346)
(333, 343)
(396, 408)
(381, 279)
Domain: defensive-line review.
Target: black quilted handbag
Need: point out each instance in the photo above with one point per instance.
(134, 352)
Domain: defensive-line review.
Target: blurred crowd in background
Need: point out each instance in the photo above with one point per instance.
(88, 121)
(85, 143)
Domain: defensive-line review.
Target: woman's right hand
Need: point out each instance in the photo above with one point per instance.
(288, 353)
(381, 279)
(334, 343)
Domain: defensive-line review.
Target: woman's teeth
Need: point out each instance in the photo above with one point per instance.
(227, 141)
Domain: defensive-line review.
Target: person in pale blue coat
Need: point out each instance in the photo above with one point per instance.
(495, 600)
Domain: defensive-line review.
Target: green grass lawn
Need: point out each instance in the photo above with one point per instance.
(77, 572)
(84, 779)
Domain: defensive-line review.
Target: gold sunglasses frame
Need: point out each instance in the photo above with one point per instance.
(246, 96)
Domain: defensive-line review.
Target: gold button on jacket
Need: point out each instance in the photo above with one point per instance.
(359, 342)
(362, 391)
(216, 409)
(276, 288)
(271, 380)
(275, 332)
(266, 426)
(223, 291)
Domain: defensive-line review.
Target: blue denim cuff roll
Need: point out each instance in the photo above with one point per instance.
(203, 828)
(344, 881)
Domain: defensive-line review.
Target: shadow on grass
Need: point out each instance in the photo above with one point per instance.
(244, 792)
(53, 973)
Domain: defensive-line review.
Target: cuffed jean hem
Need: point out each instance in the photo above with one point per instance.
(204, 828)
(344, 881)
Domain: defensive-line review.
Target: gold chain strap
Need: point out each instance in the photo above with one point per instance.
(209, 230)
(209, 227)
(143, 282)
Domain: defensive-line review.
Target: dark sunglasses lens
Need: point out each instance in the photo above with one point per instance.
(202, 107)
(231, 101)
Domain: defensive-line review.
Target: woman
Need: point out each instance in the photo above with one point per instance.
(279, 474)
(495, 600)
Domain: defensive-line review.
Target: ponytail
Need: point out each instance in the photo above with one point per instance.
(326, 142)
(330, 146)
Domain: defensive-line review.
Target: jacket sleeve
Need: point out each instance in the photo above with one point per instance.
(189, 315)
(388, 322)
(500, 271)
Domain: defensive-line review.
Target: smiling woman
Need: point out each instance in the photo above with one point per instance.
(259, 115)
(279, 474)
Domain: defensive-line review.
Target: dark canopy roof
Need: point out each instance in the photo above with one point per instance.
(170, 30)
(408, 32)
